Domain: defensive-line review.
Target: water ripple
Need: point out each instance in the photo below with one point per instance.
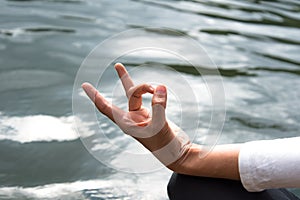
(58, 1)
(267, 15)
(291, 41)
(18, 31)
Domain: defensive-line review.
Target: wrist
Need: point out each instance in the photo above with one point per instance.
(180, 165)
(159, 140)
(176, 148)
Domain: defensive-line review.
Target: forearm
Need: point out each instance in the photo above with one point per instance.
(173, 148)
(221, 162)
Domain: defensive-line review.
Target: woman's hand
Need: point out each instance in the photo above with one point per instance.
(164, 139)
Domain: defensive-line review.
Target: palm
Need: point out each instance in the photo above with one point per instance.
(141, 117)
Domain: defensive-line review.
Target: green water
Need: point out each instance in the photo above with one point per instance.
(255, 44)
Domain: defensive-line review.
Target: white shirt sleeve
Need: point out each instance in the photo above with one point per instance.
(270, 164)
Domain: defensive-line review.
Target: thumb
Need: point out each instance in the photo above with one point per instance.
(159, 102)
(160, 96)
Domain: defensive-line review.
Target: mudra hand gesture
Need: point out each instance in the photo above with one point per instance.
(164, 139)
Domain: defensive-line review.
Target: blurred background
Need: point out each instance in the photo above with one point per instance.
(255, 44)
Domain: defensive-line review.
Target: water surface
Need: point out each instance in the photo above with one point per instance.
(255, 44)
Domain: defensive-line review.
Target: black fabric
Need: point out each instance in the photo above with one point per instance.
(183, 187)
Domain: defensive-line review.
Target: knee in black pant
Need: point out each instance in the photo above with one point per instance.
(184, 187)
(179, 187)
(171, 187)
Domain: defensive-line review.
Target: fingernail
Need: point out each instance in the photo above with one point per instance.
(119, 65)
(89, 90)
(151, 88)
(160, 89)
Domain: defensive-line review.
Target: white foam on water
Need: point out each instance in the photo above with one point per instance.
(52, 191)
(120, 188)
(38, 128)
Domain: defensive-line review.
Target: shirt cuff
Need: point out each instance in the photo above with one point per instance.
(270, 164)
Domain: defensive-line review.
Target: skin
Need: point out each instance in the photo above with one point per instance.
(221, 162)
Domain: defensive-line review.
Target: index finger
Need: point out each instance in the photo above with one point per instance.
(105, 107)
(124, 76)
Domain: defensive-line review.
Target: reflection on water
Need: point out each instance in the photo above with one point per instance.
(255, 44)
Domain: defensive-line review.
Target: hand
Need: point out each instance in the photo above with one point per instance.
(163, 138)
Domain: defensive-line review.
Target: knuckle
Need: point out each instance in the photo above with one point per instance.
(159, 101)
